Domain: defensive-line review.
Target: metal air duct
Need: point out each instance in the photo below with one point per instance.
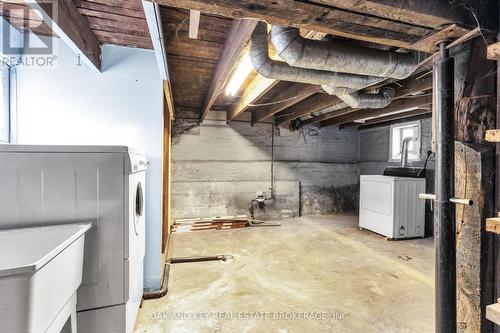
(279, 70)
(301, 52)
(343, 85)
(363, 100)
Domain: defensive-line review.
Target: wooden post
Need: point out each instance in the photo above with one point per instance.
(474, 179)
(475, 113)
(167, 158)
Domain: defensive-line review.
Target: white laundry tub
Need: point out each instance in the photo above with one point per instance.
(40, 271)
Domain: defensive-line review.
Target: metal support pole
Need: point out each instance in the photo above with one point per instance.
(444, 213)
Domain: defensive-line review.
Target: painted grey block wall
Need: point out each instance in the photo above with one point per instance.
(218, 168)
(374, 157)
(374, 148)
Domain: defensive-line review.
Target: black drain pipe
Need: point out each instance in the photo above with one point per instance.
(179, 260)
(444, 213)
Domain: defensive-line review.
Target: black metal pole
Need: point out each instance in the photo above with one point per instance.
(444, 213)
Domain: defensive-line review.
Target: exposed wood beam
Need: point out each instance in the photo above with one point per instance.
(492, 135)
(341, 112)
(237, 38)
(413, 85)
(404, 104)
(67, 22)
(194, 23)
(253, 91)
(429, 43)
(310, 16)
(314, 35)
(431, 14)
(476, 32)
(290, 96)
(403, 88)
(330, 115)
(153, 18)
(494, 51)
(389, 118)
(311, 104)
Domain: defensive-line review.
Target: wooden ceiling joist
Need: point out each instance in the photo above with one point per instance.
(493, 52)
(69, 24)
(400, 105)
(238, 37)
(429, 43)
(295, 93)
(389, 118)
(433, 14)
(328, 18)
(311, 104)
(318, 102)
(252, 92)
(23, 18)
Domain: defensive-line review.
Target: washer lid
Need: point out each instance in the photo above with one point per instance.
(67, 149)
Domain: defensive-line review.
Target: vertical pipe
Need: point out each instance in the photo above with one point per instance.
(273, 129)
(444, 214)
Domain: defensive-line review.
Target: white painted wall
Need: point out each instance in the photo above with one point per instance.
(71, 104)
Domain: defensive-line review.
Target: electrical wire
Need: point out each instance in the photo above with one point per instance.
(267, 103)
(429, 154)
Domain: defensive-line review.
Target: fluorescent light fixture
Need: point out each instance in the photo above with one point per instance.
(239, 75)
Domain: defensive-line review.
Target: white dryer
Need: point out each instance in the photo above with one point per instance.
(44, 185)
(390, 206)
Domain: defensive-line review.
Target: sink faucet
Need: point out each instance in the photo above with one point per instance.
(404, 150)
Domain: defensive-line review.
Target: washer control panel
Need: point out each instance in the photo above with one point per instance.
(137, 163)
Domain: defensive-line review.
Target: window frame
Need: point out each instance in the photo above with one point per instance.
(400, 126)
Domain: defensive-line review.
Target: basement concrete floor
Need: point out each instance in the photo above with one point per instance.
(313, 274)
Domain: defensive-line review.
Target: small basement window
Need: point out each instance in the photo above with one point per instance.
(4, 105)
(398, 133)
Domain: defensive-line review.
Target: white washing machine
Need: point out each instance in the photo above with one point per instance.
(43, 185)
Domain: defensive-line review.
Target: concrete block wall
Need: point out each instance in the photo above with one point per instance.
(218, 168)
(374, 147)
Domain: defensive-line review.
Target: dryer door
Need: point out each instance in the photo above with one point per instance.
(135, 226)
(138, 208)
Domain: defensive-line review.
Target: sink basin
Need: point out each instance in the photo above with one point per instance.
(40, 271)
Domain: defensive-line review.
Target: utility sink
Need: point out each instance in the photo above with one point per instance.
(40, 272)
